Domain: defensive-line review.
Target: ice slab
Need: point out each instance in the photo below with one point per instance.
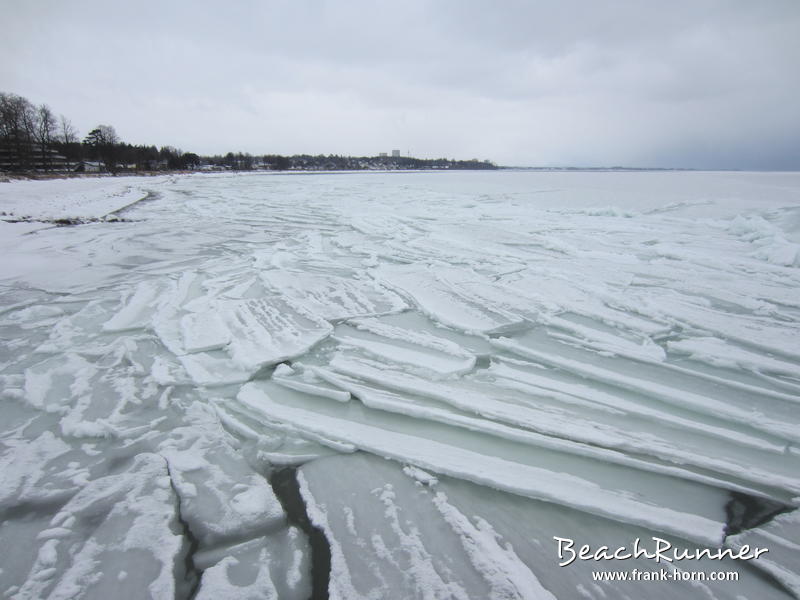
(204, 331)
(401, 529)
(222, 499)
(273, 567)
(447, 300)
(781, 536)
(120, 534)
(418, 350)
(137, 310)
(499, 473)
(333, 298)
(268, 331)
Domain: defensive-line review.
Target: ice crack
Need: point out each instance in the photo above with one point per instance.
(193, 575)
(284, 484)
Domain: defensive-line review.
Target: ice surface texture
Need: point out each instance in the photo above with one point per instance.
(599, 356)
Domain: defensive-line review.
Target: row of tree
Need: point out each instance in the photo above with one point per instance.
(29, 134)
(336, 162)
(33, 138)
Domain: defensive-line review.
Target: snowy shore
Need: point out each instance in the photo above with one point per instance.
(75, 198)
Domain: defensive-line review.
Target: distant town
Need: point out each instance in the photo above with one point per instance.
(33, 140)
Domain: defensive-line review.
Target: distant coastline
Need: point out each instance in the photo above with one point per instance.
(34, 140)
(601, 169)
(51, 175)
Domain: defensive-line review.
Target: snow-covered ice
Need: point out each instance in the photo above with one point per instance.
(446, 369)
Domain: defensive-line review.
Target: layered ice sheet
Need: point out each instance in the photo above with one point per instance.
(596, 356)
(399, 528)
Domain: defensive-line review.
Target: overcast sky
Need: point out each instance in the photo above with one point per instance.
(695, 83)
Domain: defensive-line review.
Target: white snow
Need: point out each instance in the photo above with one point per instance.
(460, 366)
(75, 198)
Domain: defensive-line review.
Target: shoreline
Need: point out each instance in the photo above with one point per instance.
(19, 177)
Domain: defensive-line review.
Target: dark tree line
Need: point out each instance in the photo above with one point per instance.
(334, 162)
(29, 133)
(33, 138)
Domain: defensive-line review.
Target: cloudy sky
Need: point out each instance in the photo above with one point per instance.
(687, 83)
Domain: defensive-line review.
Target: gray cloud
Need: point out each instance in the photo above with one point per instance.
(706, 84)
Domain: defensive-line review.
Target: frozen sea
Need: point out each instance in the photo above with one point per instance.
(399, 385)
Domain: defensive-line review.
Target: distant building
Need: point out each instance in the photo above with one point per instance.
(28, 156)
(395, 153)
(89, 166)
(382, 155)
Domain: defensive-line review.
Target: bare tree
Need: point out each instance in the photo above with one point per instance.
(30, 124)
(66, 131)
(44, 133)
(68, 137)
(7, 116)
(17, 127)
